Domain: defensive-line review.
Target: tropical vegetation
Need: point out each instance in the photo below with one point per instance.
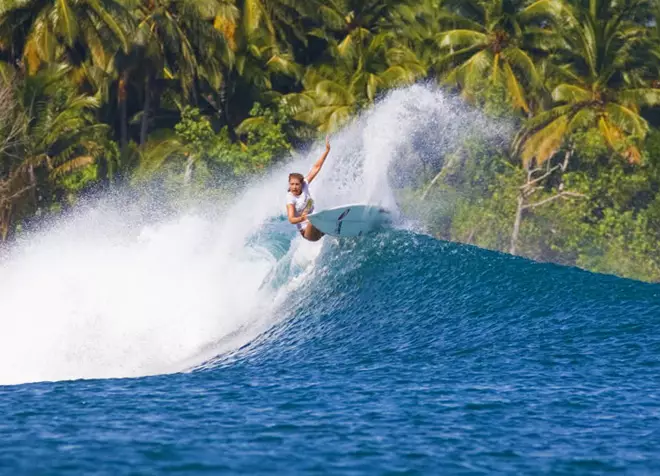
(197, 95)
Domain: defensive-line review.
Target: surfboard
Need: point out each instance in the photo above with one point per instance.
(350, 220)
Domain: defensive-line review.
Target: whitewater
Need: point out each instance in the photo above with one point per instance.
(103, 295)
(217, 340)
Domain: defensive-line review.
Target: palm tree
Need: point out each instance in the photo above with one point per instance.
(420, 26)
(333, 93)
(46, 31)
(163, 146)
(369, 55)
(174, 42)
(12, 134)
(280, 21)
(325, 104)
(348, 23)
(84, 35)
(260, 54)
(493, 42)
(62, 136)
(600, 81)
(62, 128)
(180, 38)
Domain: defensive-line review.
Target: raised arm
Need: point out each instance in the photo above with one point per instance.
(319, 163)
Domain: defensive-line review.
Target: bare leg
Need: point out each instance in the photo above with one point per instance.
(312, 234)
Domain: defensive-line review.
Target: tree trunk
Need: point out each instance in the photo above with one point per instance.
(33, 185)
(432, 183)
(123, 113)
(444, 171)
(530, 186)
(516, 224)
(228, 92)
(5, 221)
(144, 129)
(187, 175)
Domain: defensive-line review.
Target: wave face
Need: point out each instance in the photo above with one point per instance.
(109, 292)
(262, 352)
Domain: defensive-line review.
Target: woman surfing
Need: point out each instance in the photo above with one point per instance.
(299, 201)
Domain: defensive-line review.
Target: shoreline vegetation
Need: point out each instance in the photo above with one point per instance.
(196, 95)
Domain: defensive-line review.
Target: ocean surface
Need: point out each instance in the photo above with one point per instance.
(221, 343)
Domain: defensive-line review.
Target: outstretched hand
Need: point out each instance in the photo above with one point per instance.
(319, 163)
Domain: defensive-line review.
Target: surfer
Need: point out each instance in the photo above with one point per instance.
(299, 201)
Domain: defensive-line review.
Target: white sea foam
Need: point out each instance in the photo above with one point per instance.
(103, 294)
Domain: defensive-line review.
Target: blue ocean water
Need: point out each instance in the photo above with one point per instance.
(398, 354)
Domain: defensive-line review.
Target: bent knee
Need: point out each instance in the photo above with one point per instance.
(312, 234)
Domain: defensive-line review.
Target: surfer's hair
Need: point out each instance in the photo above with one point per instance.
(296, 176)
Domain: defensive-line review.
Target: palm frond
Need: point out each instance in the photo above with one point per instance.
(626, 120)
(65, 21)
(329, 92)
(584, 119)
(250, 124)
(545, 142)
(338, 118)
(521, 61)
(515, 89)
(161, 148)
(538, 122)
(462, 38)
(71, 166)
(639, 97)
(572, 94)
(555, 10)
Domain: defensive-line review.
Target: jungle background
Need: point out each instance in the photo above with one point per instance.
(199, 95)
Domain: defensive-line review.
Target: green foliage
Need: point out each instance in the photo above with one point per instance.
(496, 102)
(590, 145)
(598, 80)
(470, 199)
(195, 132)
(262, 141)
(614, 229)
(486, 219)
(77, 181)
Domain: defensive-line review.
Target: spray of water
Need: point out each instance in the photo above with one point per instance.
(104, 294)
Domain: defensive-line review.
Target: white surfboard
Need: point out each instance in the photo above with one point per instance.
(350, 220)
